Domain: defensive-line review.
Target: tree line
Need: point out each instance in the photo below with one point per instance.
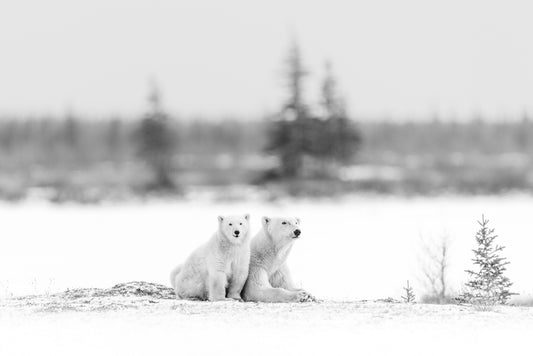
(303, 141)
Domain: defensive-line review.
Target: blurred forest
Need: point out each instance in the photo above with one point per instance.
(79, 159)
(299, 151)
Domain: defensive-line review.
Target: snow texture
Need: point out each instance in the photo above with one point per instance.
(141, 318)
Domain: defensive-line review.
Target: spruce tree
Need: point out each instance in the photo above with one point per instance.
(157, 143)
(342, 135)
(409, 294)
(487, 285)
(288, 131)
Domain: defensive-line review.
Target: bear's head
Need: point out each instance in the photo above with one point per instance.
(282, 229)
(234, 227)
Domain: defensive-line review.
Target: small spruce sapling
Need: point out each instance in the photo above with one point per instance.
(409, 296)
(488, 285)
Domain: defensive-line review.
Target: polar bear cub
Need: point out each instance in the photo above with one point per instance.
(218, 269)
(269, 279)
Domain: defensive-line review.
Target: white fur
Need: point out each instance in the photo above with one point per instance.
(218, 269)
(269, 279)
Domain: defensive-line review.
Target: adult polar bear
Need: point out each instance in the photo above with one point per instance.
(269, 279)
(218, 269)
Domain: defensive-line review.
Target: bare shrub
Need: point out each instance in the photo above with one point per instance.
(434, 266)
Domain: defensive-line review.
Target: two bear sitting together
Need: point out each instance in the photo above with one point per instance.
(230, 265)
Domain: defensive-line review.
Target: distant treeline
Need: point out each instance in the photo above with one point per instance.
(474, 157)
(440, 137)
(90, 160)
(305, 149)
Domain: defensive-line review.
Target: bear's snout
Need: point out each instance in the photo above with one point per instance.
(297, 232)
(237, 232)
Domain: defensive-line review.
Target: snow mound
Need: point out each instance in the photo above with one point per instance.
(121, 296)
(128, 295)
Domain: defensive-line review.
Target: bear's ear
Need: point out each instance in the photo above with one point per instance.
(220, 219)
(265, 220)
(298, 220)
(247, 216)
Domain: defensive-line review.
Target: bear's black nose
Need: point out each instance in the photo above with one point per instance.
(237, 232)
(297, 232)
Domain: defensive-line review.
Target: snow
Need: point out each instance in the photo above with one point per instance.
(351, 250)
(234, 328)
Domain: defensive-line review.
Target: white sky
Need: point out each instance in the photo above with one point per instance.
(393, 58)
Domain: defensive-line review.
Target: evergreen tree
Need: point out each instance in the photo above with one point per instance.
(287, 133)
(409, 294)
(488, 285)
(157, 142)
(343, 135)
(296, 134)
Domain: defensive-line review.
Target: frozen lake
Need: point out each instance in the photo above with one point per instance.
(358, 248)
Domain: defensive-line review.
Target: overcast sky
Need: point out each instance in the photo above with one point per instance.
(393, 58)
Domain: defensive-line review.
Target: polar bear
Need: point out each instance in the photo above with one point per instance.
(218, 269)
(269, 279)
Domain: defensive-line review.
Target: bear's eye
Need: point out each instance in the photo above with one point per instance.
(284, 223)
(240, 223)
(230, 224)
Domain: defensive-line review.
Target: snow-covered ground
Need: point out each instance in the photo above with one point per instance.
(350, 250)
(233, 328)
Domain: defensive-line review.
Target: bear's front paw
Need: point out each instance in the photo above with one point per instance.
(220, 299)
(303, 296)
(236, 297)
